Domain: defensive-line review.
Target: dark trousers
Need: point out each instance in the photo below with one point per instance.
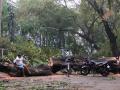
(20, 71)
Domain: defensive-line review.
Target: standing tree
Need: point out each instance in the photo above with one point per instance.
(1, 1)
(104, 15)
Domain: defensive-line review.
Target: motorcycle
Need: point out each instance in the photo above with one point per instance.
(114, 66)
(94, 67)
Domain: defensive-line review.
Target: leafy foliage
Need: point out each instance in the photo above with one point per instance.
(35, 55)
(48, 25)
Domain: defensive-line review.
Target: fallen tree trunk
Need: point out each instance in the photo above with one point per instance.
(61, 61)
(58, 64)
(55, 61)
(41, 70)
(54, 65)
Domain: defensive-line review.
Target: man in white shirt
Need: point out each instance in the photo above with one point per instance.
(19, 61)
(19, 64)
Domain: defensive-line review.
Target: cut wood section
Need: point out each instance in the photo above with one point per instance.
(53, 61)
(41, 70)
(61, 61)
(108, 58)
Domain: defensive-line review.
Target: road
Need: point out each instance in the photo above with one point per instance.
(61, 82)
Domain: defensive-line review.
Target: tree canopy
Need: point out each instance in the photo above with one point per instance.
(41, 28)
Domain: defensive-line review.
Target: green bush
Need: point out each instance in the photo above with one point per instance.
(35, 54)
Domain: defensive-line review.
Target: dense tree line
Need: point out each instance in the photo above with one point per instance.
(87, 27)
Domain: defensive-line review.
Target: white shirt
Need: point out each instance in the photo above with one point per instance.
(18, 60)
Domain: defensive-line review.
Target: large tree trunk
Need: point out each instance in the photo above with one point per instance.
(112, 39)
(111, 36)
(1, 2)
(41, 70)
(11, 23)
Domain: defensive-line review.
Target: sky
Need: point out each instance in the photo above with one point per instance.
(70, 4)
(14, 0)
(77, 1)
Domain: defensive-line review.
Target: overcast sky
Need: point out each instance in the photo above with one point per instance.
(14, 0)
(70, 4)
(77, 1)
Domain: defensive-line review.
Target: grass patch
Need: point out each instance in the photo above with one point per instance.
(54, 85)
(2, 87)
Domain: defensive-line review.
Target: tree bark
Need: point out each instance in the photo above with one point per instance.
(111, 36)
(112, 39)
(1, 2)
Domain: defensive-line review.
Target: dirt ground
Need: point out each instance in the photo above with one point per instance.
(60, 82)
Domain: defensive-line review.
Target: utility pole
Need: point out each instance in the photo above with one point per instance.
(1, 6)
